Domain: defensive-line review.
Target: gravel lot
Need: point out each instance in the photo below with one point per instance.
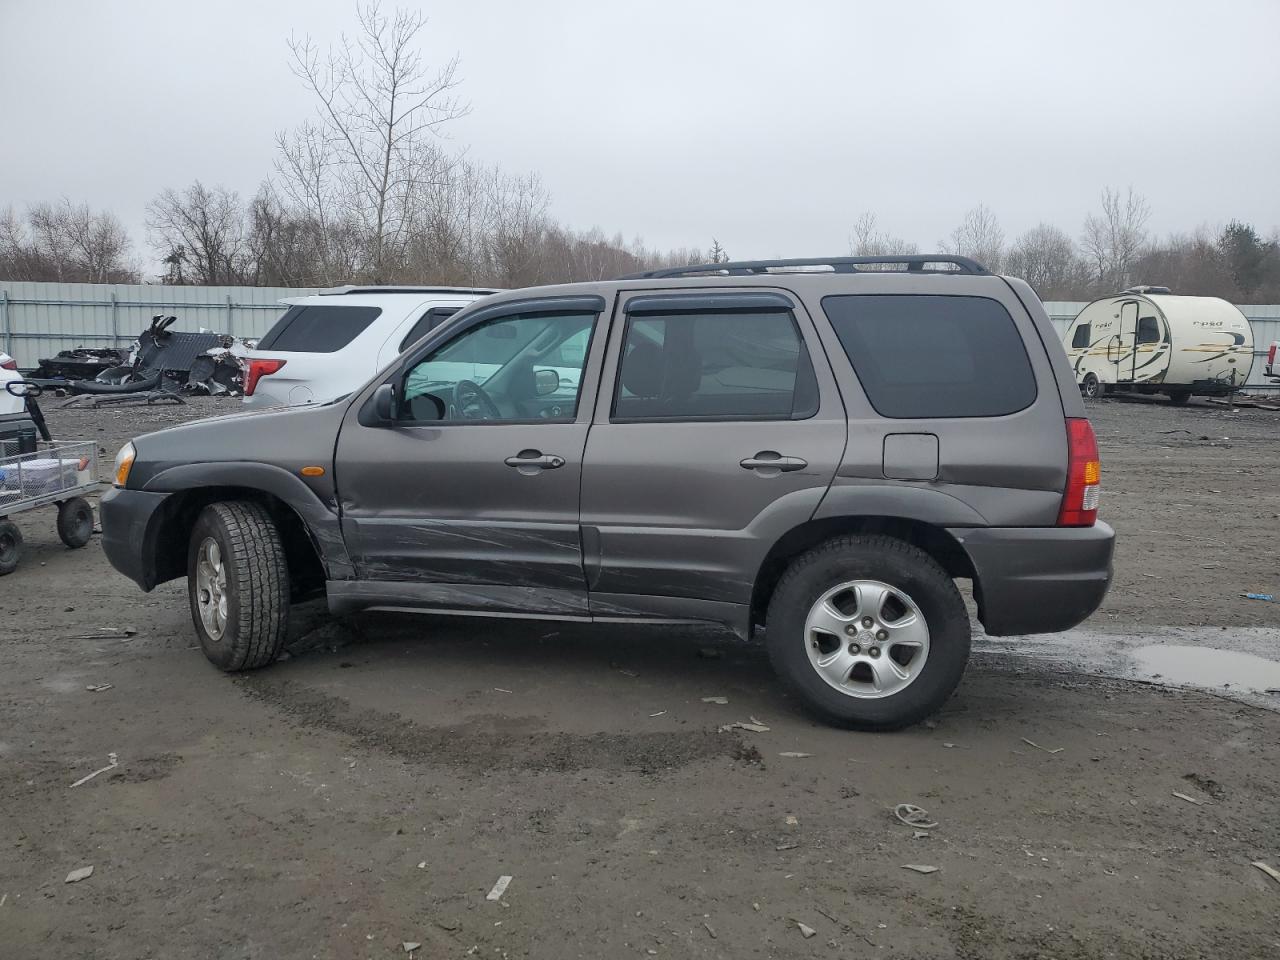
(368, 791)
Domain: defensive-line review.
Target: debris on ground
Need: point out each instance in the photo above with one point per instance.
(499, 888)
(105, 633)
(448, 925)
(422, 865)
(1210, 786)
(806, 931)
(914, 816)
(1190, 799)
(629, 673)
(660, 713)
(791, 821)
(786, 846)
(114, 762)
(409, 946)
(794, 754)
(720, 700)
(755, 726)
(1266, 868)
(98, 687)
(501, 690)
(1032, 743)
(921, 834)
(710, 929)
(920, 867)
(1269, 597)
(78, 874)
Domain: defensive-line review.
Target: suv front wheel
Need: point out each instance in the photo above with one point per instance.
(869, 631)
(238, 585)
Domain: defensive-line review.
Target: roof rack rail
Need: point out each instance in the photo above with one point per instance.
(395, 288)
(910, 263)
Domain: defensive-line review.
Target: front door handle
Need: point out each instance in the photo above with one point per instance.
(530, 462)
(770, 463)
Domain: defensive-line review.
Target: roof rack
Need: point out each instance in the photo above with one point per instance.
(912, 263)
(1146, 288)
(374, 288)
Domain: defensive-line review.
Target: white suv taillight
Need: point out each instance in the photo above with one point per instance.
(257, 370)
(1271, 360)
(1084, 475)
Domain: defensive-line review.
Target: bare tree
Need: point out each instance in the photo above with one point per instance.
(717, 254)
(867, 240)
(372, 150)
(1113, 239)
(200, 233)
(979, 236)
(65, 242)
(1046, 258)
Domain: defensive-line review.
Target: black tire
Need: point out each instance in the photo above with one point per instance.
(10, 547)
(1091, 387)
(900, 565)
(75, 522)
(1179, 397)
(256, 584)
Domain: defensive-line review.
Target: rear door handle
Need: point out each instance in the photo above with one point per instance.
(770, 462)
(531, 461)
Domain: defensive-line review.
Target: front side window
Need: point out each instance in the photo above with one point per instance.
(511, 368)
(1081, 338)
(714, 365)
(927, 356)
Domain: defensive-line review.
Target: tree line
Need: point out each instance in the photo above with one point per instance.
(366, 191)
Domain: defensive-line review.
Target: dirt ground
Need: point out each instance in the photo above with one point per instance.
(367, 792)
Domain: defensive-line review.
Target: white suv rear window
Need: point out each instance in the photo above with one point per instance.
(314, 328)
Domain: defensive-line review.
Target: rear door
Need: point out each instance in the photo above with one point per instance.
(717, 428)
(469, 501)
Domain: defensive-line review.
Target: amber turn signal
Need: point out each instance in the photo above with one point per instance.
(312, 471)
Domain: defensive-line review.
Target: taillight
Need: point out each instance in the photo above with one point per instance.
(12, 364)
(1271, 357)
(1080, 501)
(257, 370)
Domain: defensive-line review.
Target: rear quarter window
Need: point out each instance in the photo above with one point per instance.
(927, 356)
(317, 328)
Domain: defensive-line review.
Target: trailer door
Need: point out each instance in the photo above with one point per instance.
(1127, 354)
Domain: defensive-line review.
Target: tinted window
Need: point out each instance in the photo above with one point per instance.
(717, 365)
(931, 356)
(523, 367)
(1081, 338)
(1148, 330)
(426, 323)
(308, 328)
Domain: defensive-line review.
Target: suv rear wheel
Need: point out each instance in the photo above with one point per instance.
(238, 585)
(869, 631)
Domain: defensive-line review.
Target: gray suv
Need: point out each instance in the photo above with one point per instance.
(819, 448)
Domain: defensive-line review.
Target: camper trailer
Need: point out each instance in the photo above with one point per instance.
(1146, 340)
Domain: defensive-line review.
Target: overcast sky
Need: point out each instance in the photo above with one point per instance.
(770, 126)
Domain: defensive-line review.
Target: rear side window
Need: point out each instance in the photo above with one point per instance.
(714, 365)
(1081, 338)
(426, 323)
(314, 328)
(934, 356)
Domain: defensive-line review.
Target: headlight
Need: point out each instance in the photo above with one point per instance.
(124, 463)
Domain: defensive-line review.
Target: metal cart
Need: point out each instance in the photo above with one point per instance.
(58, 472)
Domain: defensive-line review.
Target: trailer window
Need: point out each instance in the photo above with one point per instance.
(1148, 330)
(922, 356)
(1081, 339)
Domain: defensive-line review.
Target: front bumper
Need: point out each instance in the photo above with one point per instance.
(1038, 579)
(129, 530)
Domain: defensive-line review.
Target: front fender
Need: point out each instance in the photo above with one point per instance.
(322, 521)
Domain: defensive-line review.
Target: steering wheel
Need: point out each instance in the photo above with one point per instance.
(473, 403)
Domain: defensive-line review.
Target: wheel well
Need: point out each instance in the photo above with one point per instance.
(178, 515)
(935, 541)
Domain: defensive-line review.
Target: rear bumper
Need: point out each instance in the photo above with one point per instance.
(128, 533)
(1038, 579)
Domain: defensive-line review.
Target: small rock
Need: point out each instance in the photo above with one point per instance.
(80, 873)
(409, 946)
(920, 867)
(806, 931)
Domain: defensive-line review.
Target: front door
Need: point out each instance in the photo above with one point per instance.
(718, 428)
(469, 500)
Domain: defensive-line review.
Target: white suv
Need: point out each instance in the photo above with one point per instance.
(325, 346)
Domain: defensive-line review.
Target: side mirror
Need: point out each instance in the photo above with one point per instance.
(545, 382)
(380, 409)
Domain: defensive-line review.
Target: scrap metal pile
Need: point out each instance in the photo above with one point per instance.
(162, 364)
